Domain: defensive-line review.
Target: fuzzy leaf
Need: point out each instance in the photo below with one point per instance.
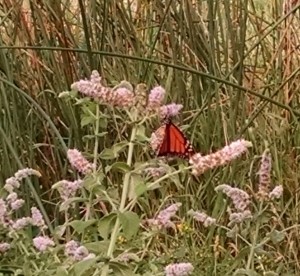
(118, 166)
(81, 267)
(79, 225)
(86, 120)
(140, 188)
(119, 147)
(245, 272)
(130, 222)
(277, 236)
(105, 225)
(107, 154)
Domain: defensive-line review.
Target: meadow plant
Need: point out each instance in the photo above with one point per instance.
(110, 237)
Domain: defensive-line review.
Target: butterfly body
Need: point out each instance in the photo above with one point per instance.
(173, 142)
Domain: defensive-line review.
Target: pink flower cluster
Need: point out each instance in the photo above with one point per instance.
(4, 246)
(12, 203)
(264, 174)
(68, 189)
(155, 172)
(42, 243)
(240, 200)
(36, 219)
(179, 269)
(79, 162)
(121, 97)
(77, 252)
(163, 219)
(14, 181)
(200, 163)
(202, 217)
(264, 182)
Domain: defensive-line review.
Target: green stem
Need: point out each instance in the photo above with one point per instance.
(96, 137)
(254, 241)
(115, 231)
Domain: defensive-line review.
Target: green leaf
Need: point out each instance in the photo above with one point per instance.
(119, 147)
(277, 236)
(79, 226)
(270, 273)
(81, 267)
(118, 166)
(103, 122)
(245, 272)
(99, 247)
(92, 137)
(66, 204)
(107, 154)
(130, 222)
(105, 225)
(120, 269)
(61, 271)
(60, 231)
(86, 120)
(140, 189)
(135, 179)
(140, 134)
(153, 187)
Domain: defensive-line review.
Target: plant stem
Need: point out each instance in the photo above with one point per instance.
(254, 241)
(124, 195)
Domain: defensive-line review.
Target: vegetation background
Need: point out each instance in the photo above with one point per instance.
(233, 65)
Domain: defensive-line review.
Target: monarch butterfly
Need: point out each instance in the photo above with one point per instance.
(170, 140)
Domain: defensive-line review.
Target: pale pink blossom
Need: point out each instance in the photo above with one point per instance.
(157, 138)
(79, 162)
(122, 97)
(68, 189)
(202, 217)
(3, 210)
(4, 246)
(238, 217)
(200, 163)
(42, 243)
(14, 181)
(170, 110)
(21, 174)
(276, 192)
(11, 184)
(163, 219)
(80, 253)
(93, 88)
(14, 202)
(179, 269)
(37, 218)
(12, 197)
(156, 172)
(156, 97)
(77, 252)
(21, 223)
(17, 204)
(70, 248)
(240, 198)
(264, 174)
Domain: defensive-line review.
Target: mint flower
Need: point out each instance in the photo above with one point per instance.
(79, 162)
(200, 163)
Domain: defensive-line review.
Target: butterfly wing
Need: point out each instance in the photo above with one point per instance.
(175, 143)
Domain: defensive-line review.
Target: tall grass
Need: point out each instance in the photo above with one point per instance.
(233, 65)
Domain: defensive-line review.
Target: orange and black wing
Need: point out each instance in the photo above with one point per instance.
(175, 143)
